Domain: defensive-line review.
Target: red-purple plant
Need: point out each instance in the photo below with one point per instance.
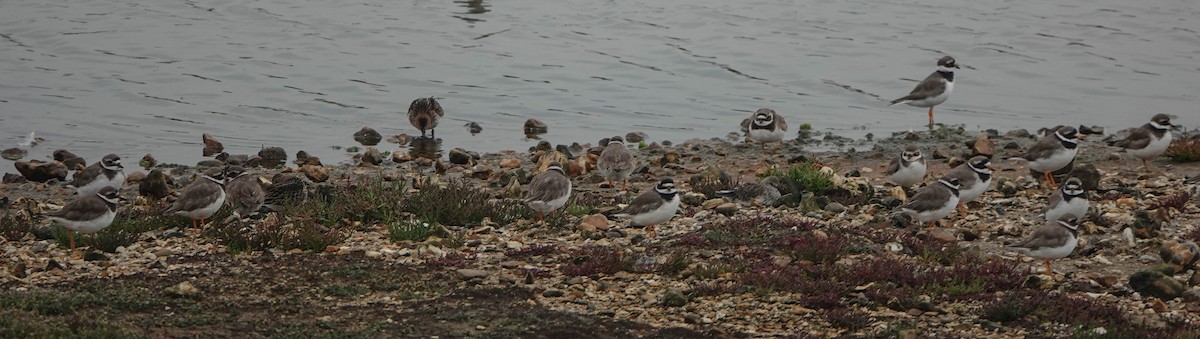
(531, 250)
(590, 260)
(452, 259)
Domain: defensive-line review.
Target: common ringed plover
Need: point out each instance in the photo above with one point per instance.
(616, 162)
(653, 207)
(934, 201)
(766, 126)
(1052, 152)
(424, 113)
(1149, 141)
(934, 90)
(1056, 239)
(548, 191)
(106, 173)
(974, 178)
(908, 168)
(202, 198)
(1068, 202)
(88, 213)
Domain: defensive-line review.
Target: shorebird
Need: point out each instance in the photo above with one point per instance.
(424, 113)
(616, 162)
(243, 190)
(1056, 239)
(201, 199)
(766, 126)
(88, 214)
(933, 202)
(974, 178)
(1068, 202)
(908, 168)
(934, 90)
(548, 191)
(653, 207)
(1052, 152)
(1149, 141)
(108, 172)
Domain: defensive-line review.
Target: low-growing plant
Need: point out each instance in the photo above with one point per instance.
(591, 259)
(241, 237)
(531, 251)
(819, 250)
(1184, 149)
(310, 236)
(753, 230)
(414, 230)
(452, 259)
(676, 262)
(460, 203)
(806, 176)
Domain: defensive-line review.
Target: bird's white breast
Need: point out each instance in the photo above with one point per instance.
(1154, 149)
(908, 176)
(660, 215)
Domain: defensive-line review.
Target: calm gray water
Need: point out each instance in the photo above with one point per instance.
(136, 77)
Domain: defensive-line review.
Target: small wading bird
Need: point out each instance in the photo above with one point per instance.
(908, 168)
(934, 90)
(88, 214)
(1052, 152)
(1148, 141)
(108, 172)
(1056, 239)
(933, 202)
(653, 207)
(424, 113)
(201, 199)
(766, 126)
(616, 162)
(548, 191)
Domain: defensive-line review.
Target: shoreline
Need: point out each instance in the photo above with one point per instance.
(690, 279)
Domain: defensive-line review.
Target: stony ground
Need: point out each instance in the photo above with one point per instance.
(837, 264)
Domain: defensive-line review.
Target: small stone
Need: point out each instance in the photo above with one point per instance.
(942, 234)
(95, 256)
(833, 207)
(372, 156)
(13, 154)
(1018, 133)
(473, 127)
(367, 136)
(468, 274)
(674, 298)
(984, 146)
(727, 209)
(148, 161)
(401, 157)
(510, 163)
(373, 254)
(1088, 174)
(1156, 284)
(315, 173)
(135, 177)
(211, 145)
(183, 289)
(552, 293)
(53, 265)
(272, 156)
(594, 222)
(400, 139)
(940, 153)
(459, 156)
(70, 159)
(635, 137)
(157, 265)
(41, 171)
(534, 127)
(954, 162)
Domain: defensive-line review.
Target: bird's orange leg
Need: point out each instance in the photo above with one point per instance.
(71, 237)
(1048, 271)
(962, 209)
(1050, 180)
(650, 231)
(930, 117)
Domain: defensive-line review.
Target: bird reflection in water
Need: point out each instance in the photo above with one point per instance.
(473, 7)
(425, 147)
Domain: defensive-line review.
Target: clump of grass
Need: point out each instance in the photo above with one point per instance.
(806, 177)
(459, 203)
(1184, 149)
(311, 236)
(591, 260)
(531, 251)
(414, 230)
(241, 237)
(676, 262)
(1031, 308)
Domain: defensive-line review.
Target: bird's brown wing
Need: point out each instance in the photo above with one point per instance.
(199, 194)
(85, 176)
(85, 208)
(648, 201)
(1050, 235)
(1043, 148)
(930, 87)
(894, 166)
(1138, 139)
(548, 186)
